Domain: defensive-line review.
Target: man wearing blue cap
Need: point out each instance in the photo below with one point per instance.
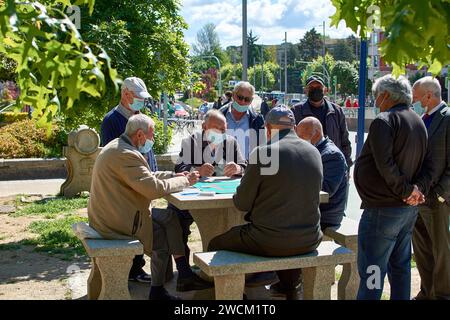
(328, 113)
(133, 93)
(281, 223)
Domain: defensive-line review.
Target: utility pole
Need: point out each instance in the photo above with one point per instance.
(280, 72)
(254, 72)
(285, 68)
(323, 49)
(262, 68)
(244, 41)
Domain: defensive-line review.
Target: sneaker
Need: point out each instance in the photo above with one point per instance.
(142, 277)
(162, 295)
(194, 282)
(276, 290)
(260, 279)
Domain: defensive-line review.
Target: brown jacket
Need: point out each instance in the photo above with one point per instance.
(121, 191)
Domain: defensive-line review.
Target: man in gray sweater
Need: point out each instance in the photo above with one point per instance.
(281, 222)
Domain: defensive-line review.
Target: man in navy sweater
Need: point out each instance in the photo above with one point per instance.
(132, 98)
(334, 172)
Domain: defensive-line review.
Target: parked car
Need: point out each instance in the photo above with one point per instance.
(180, 112)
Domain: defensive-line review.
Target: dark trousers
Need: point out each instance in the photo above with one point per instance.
(138, 264)
(431, 243)
(237, 239)
(186, 221)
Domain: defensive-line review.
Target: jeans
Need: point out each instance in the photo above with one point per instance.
(384, 246)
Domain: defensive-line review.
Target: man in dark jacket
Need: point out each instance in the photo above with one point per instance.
(212, 153)
(242, 122)
(281, 223)
(431, 237)
(329, 114)
(390, 161)
(334, 172)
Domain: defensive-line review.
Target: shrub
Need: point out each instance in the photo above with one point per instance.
(162, 141)
(23, 139)
(10, 117)
(194, 102)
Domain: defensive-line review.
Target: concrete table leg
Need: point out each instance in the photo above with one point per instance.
(94, 283)
(349, 281)
(317, 282)
(230, 287)
(114, 271)
(212, 224)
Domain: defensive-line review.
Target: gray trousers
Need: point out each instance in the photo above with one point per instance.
(431, 243)
(167, 240)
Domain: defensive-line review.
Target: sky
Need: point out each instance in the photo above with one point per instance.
(268, 19)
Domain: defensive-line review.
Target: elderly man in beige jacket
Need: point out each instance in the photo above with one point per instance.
(122, 190)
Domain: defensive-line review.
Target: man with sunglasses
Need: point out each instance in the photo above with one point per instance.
(241, 119)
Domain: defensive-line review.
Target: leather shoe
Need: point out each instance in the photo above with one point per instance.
(194, 282)
(260, 279)
(276, 290)
(162, 295)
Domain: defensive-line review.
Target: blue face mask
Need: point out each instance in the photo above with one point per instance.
(417, 106)
(146, 147)
(215, 137)
(240, 108)
(137, 104)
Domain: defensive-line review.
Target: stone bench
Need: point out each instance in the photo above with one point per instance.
(347, 236)
(111, 263)
(229, 268)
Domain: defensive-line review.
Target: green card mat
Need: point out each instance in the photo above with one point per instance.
(219, 187)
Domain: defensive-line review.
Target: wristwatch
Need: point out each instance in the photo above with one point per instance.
(440, 199)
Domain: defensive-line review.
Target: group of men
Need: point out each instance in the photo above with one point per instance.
(310, 150)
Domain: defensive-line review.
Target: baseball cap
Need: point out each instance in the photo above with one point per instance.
(136, 85)
(280, 115)
(315, 78)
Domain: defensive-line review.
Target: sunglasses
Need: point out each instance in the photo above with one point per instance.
(246, 99)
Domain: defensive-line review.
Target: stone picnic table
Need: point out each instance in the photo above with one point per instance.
(215, 214)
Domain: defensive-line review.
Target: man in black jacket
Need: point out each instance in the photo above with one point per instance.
(329, 114)
(431, 237)
(388, 164)
(242, 122)
(281, 223)
(212, 153)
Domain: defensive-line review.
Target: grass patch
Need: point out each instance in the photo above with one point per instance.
(51, 208)
(56, 237)
(413, 262)
(9, 246)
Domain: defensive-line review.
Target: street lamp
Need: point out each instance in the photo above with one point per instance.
(220, 76)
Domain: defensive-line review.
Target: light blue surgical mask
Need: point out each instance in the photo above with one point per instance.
(137, 104)
(215, 137)
(417, 106)
(146, 147)
(240, 108)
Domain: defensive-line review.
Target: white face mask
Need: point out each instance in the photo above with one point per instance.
(214, 137)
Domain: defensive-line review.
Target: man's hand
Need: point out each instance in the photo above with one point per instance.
(193, 177)
(206, 170)
(415, 198)
(231, 169)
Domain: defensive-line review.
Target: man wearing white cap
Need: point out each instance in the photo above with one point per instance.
(132, 98)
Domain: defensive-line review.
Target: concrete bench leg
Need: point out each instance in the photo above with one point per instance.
(230, 287)
(94, 283)
(349, 281)
(317, 282)
(114, 272)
